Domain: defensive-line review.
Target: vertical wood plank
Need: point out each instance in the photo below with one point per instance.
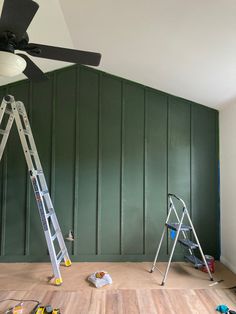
(205, 191)
(3, 189)
(88, 128)
(16, 182)
(179, 153)
(41, 127)
(156, 168)
(110, 165)
(65, 117)
(132, 236)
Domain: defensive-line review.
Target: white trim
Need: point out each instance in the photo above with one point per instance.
(228, 264)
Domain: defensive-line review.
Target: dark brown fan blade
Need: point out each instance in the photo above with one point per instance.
(17, 15)
(64, 54)
(32, 71)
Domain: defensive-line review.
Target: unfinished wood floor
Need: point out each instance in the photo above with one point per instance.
(127, 301)
(134, 289)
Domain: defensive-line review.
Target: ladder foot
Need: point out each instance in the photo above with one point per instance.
(151, 271)
(162, 284)
(68, 263)
(212, 279)
(58, 281)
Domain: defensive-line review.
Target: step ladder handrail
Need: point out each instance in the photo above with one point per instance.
(179, 231)
(170, 195)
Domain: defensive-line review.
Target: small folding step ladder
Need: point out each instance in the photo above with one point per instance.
(181, 229)
(15, 110)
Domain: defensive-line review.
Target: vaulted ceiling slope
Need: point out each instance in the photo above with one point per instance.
(184, 47)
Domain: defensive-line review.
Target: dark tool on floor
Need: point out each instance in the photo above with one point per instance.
(15, 19)
(41, 309)
(14, 111)
(182, 237)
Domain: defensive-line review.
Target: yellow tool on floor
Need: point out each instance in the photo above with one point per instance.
(18, 309)
(45, 310)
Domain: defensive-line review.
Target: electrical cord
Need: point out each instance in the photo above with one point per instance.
(20, 300)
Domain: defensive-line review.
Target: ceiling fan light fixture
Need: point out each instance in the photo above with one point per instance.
(11, 64)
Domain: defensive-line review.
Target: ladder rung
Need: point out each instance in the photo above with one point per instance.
(175, 226)
(44, 192)
(49, 215)
(8, 111)
(190, 244)
(60, 256)
(193, 259)
(3, 131)
(51, 211)
(54, 236)
(38, 172)
(21, 112)
(26, 132)
(32, 152)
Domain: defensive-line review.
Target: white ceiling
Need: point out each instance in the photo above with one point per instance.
(48, 27)
(183, 47)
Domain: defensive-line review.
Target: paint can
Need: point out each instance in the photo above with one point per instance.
(211, 264)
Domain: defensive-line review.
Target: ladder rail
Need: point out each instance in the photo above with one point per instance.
(44, 203)
(199, 245)
(5, 135)
(172, 250)
(180, 229)
(177, 216)
(162, 238)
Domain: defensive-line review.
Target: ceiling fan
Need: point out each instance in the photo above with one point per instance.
(14, 21)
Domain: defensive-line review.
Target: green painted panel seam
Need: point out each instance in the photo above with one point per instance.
(4, 204)
(167, 168)
(76, 167)
(144, 168)
(4, 199)
(53, 132)
(28, 183)
(98, 187)
(190, 160)
(121, 165)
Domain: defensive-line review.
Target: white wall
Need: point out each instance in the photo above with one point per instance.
(228, 185)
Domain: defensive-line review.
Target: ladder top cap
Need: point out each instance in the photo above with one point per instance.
(9, 98)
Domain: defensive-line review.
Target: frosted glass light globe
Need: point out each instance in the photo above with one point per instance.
(11, 64)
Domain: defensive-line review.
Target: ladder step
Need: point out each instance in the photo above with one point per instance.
(194, 260)
(175, 226)
(3, 131)
(186, 242)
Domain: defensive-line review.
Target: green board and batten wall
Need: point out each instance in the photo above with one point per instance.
(111, 149)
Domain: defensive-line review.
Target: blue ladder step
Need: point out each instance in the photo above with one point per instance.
(194, 260)
(190, 244)
(175, 226)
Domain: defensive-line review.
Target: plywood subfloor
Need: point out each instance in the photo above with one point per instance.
(134, 289)
(31, 276)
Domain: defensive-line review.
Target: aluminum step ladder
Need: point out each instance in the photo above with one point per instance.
(181, 235)
(10, 111)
